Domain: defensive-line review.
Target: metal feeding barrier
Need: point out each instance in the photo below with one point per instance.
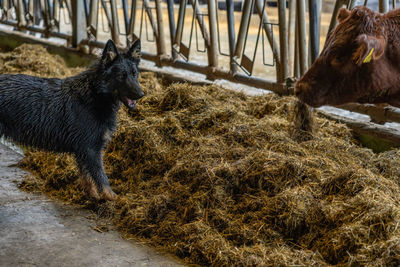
(291, 38)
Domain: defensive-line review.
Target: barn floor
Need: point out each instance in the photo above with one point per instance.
(36, 231)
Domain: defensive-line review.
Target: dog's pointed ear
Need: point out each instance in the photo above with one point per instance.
(110, 52)
(134, 50)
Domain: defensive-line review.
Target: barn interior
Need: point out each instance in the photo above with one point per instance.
(221, 177)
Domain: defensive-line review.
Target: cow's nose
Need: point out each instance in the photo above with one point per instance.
(301, 88)
(298, 89)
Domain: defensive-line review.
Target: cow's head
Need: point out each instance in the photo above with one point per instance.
(352, 51)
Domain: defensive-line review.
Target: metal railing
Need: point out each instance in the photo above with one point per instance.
(291, 45)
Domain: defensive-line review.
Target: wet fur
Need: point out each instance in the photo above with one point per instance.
(75, 115)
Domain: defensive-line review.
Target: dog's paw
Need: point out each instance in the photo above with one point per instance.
(90, 187)
(108, 194)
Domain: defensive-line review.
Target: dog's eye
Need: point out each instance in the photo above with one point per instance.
(122, 75)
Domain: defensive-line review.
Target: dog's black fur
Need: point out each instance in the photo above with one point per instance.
(76, 114)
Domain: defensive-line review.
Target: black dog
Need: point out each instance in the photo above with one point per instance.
(76, 114)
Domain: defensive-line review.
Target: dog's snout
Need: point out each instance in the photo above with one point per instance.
(141, 94)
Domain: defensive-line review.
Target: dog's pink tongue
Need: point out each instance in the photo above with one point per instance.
(131, 102)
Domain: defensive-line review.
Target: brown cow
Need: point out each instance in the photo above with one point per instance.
(359, 63)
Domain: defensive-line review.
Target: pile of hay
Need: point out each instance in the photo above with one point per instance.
(34, 60)
(219, 178)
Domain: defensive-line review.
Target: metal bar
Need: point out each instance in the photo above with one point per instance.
(132, 21)
(154, 31)
(383, 6)
(183, 50)
(126, 15)
(35, 28)
(270, 35)
(69, 9)
(200, 19)
(301, 21)
(4, 8)
(20, 13)
(3, 5)
(314, 28)
(56, 19)
(93, 17)
(291, 35)
(238, 78)
(87, 8)
(213, 49)
(78, 22)
(366, 128)
(45, 14)
(283, 40)
(160, 27)
(219, 34)
(378, 114)
(332, 24)
(181, 20)
(296, 71)
(115, 22)
(247, 64)
(49, 9)
(37, 13)
(171, 21)
(151, 17)
(25, 7)
(107, 12)
(231, 33)
(244, 24)
(351, 4)
(31, 12)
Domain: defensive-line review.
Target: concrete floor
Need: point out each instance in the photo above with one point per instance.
(36, 231)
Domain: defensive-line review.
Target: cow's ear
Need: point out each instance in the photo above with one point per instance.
(110, 52)
(343, 14)
(135, 49)
(369, 48)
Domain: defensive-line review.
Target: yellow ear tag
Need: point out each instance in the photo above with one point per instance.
(369, 57)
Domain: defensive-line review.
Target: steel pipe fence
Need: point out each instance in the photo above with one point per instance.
(229, 38)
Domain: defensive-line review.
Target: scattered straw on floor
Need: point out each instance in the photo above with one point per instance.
(217, 178)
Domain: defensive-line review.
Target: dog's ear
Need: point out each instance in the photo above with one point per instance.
(110, 52)
(134, 50)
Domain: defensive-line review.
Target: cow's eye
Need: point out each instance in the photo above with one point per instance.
(336, 62)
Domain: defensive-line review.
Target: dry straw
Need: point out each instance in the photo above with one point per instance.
(224, 179)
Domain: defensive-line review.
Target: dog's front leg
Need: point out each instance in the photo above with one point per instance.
(95, 180)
